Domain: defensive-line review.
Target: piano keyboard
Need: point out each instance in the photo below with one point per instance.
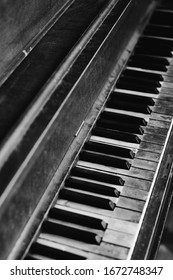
(102, 203)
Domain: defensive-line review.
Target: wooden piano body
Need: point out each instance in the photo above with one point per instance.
(59, 62)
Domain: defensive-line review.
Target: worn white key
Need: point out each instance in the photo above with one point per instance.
(77, 226)
(69, 249)
(133, 172)
(122, 226)
(72, 209)
(111, 198)
(114, 224)
(110, 141)
(167, 84)
(127, 215)
(132, 182)
(130, 204)
(124, 190)
(139, 93)
(151, 156)
(166, 103)
(136, 183)
(154, 138)
(130, 215)
(168, 79)
(118, 238)
(123, 202)
(164, 110)
(116, 252)
(160, 117)
(143, 145)
(161, 124)
(156, 130)
(153, 116)
(163, 94)
(146, 70)
(166, 92)
(147, 146)
(128, 113)
(145, 152)
(124, 214)
(114, 187)
(134, 193)
(145, 164)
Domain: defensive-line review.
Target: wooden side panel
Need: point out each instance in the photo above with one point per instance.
(22, 22)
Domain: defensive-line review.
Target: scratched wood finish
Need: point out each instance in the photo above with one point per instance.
(21, 88)
(22, 22)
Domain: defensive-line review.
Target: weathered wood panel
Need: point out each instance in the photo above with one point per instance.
(22, 22)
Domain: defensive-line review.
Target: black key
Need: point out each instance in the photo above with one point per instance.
(117, 135)
(162, 17)
(146, 65)
(123, 101)
(129, 106)
(76, 218)
(97, 175)
(159, 30)
(52, 253)
(132, 98)
(137, 87)
(89, 186)
(53, 227)
(104, 159)
(138, 80)
(165, 51)
(143, 65)
(87, 199)
(123, 118)
(150, 59)
(138, 84)
(149, 43)
(121, 126)
(142, 75)
(153, 46)
(109, 149)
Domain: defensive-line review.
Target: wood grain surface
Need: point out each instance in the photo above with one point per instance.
(22, 22)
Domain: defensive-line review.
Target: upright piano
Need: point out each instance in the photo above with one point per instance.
(86, 106)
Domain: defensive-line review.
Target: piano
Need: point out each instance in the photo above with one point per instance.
(86, 130)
